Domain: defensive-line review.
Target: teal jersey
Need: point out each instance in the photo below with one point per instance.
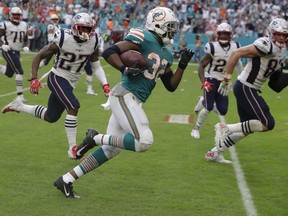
(158, 58)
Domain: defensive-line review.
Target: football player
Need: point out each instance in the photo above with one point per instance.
(73, 48)
(52, 28)
(216, 56)
(14, 37)
(265, 58)
(128, 127)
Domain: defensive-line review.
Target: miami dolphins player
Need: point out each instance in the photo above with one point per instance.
(128, 127)
(73, 48)
(266, 56)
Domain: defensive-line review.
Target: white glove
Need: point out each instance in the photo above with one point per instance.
(26, 49)
(225, 85)
(5, 47)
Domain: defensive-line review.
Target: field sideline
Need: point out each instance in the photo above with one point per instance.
(172, 178)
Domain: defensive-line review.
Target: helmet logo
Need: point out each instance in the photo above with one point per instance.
(275, 22)
(78, 17)
(158, 15)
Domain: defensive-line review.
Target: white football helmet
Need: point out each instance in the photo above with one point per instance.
(54, 19)
(163, 22)
(278, 32)
(82, 26)
(224, 33)
(15, 14)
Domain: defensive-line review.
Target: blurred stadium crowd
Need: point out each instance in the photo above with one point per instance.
(248, 18)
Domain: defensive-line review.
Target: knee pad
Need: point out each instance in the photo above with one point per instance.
(110, 151)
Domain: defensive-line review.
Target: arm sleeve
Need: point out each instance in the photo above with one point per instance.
(99, 72)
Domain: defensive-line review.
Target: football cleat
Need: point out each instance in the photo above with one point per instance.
(72, 152)
(66, 189)
(216, 156)
(221, 132)
(199, 106)
(195, 133)
(91, 92)
(87, 144)
(13, 106)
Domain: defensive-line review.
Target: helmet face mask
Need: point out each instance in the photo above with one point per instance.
(278, 32)
(224, 33)
(15, 14)
(163, 22)
(82, 26)
(54, 19)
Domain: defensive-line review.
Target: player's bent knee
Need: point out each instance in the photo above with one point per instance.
(110, 151)
(51, 119)
(271, 124)
(146, 140)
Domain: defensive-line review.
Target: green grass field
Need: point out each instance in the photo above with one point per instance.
(171, 178)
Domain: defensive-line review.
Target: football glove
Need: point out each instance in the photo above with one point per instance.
(26, 49)
(5, 47)
(133, 70)
(225, 85)
(207, 86)
(186, 56)
(35, 85)
(106, 89)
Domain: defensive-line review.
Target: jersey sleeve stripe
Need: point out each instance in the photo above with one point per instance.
(137, 34)
(212, 48)
(61, 38)
(96, 40)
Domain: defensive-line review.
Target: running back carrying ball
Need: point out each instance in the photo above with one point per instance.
(130, 57)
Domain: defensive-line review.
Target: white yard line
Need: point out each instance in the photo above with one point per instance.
(242, 184)
(243, 187)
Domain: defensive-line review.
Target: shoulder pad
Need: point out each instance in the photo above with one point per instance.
(263, 44)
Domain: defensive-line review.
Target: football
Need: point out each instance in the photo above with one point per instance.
(131, 56)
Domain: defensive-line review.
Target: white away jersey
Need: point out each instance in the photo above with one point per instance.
(259, 69)
(52, 28)
(72, 56)
(14, 35)
(220, 57)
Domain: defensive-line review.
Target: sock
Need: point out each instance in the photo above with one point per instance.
(19, 83)
(2, 69)
(246, 127)
(201, 118)
(125, 141)
(89, 80)
(37, 110)
(222, 119)
(233, 139)
(71, 129)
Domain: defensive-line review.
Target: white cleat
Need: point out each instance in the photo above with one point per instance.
(13, 106)
(216, 156)
(221, 132)
(195, 133)
(91, 92)
(199, 106)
